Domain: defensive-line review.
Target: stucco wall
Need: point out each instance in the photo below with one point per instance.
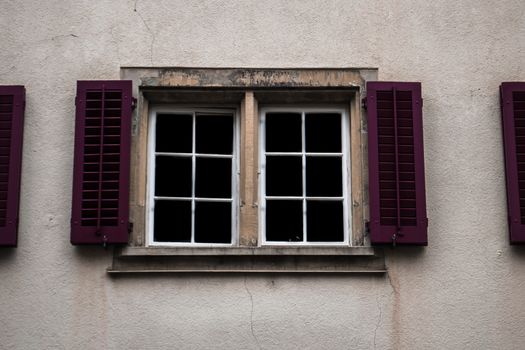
(464, 291)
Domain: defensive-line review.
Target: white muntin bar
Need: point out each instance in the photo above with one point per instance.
(188, 155)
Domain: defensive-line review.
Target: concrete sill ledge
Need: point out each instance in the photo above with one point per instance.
(335, 260)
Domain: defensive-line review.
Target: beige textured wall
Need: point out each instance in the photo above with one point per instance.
(464, 291)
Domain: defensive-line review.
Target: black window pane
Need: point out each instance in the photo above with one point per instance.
(213, 177)
(172, 221)
(173, 133)
(323, 132)
(284, 176)
(214, 134)
(213, 222)
(324, 177)
(324, 221)
(283, 132)
(173, 176)
(284, 220)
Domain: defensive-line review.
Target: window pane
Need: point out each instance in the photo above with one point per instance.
(172, 221)
(213, 177)
(284, 220)
(284, 176)
(214, 134)
(283, 132)
(324, 221)
(323, 132)
(213, 222)
(173, 133)
(173, 176)
(324, 177)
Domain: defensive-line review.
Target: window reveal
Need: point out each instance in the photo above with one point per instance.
(192, 177)
(304, 165)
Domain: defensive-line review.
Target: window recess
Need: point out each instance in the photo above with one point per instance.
(315, 167)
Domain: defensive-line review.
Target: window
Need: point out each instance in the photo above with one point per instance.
(248, 170)
(192, 193)
(304, 182)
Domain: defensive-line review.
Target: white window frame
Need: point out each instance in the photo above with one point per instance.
(346, 159)
(150, 192)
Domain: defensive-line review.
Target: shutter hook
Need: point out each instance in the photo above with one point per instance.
(395, 235)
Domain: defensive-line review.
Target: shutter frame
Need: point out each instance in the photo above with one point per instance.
(380, 232)
(101, 233)
(516, 227)
(9, 232)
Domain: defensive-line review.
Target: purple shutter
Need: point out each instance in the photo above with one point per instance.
(396, 164)
(513, 115)
(12, 103)
(100, 210)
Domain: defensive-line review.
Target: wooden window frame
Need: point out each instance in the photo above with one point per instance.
(249, 89)
(346, 174)
(151, 173)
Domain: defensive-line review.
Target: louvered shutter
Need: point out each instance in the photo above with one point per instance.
(513, 115)
(396, 164)
(12, 103)
(100, 210)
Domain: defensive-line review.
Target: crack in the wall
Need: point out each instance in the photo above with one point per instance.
(149, 30)
(394, 284)
(379, 320)
(117, 46)
(71, 35)
(251, 314)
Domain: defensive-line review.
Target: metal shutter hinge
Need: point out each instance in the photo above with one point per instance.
(364, 103)
(130, 227)
(133, 103)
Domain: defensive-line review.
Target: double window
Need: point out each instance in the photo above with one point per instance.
(193, 176)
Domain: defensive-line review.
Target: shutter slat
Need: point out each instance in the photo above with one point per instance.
(100, 210)
(513, 117)
(12, 104)
(396, 164)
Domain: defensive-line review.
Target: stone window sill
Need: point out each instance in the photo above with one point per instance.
(335, 260)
